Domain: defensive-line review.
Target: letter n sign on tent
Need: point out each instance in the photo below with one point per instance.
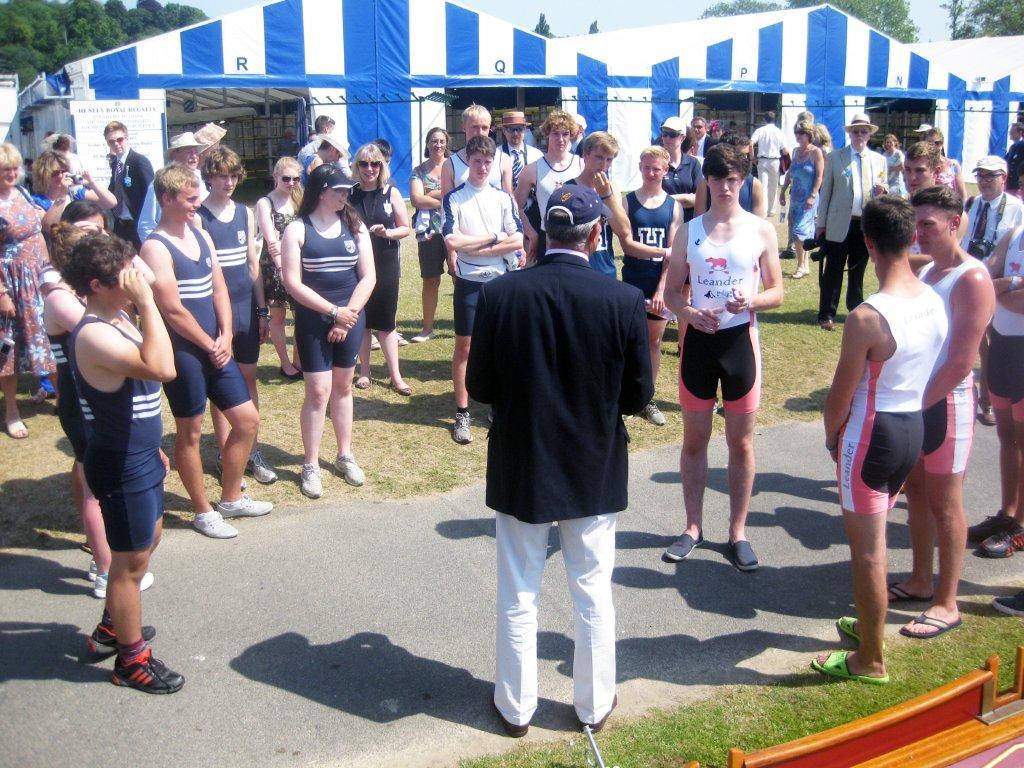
(241, 64)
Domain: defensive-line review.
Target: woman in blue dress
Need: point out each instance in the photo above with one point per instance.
(804, 177)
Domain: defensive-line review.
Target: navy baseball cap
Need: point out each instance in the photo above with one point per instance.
(574, 204)
(336, 178)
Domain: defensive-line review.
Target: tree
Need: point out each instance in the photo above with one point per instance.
(889, 16)
(959, 25)
(593, 28)
(738, 7)
(543, 28)
(995, 18)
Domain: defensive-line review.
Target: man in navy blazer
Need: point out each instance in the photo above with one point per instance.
(560, 352)
(131, 174)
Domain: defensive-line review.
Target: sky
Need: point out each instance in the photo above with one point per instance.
(566, 18)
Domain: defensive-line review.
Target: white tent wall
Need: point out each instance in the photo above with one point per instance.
(977, 126)
(792, 105)
(331, 102)
(629, 121)
(426, 115)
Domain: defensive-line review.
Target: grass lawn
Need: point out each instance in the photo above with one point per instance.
(755, 717)
(403, 444)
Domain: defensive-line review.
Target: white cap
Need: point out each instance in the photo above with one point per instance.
(675, 123)
(923, 128)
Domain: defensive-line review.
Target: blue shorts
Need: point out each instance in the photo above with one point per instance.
(316, 353)
(467, 293)
(199, 380)
(130, 517)
(245, 343)
(69, 412)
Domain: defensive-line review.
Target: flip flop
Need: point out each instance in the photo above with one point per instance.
(942, 627)
(898, 594)
(847, 628)
(17, 429)
(835, 666)
(405, 391)
(363, 382)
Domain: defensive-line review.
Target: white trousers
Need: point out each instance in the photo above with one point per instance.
(768, 175)
(588, 548)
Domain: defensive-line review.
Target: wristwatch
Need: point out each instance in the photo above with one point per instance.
(263, 313)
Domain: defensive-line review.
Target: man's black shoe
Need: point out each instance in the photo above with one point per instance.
(596, 727)
(147, 674)
(104, 641)
(511, 729)
(990, 526)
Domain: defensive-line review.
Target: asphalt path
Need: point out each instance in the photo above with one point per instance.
(363, 634)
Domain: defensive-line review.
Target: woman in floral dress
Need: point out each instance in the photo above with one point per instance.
(24, 347)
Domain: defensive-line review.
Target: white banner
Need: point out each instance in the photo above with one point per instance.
(144, 119)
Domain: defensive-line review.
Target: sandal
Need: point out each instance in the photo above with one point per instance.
(405, 390)
(363, 382)
(17, 429)
(835, 666)
(898, 594)
(941, 627)
(847, 626)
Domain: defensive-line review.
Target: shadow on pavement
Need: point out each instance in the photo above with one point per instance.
(370, 677)
(19, 572)
(685, 660)
(35, 651)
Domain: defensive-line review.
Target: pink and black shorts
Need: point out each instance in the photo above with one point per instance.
(731, 356)
(949, 431)
(877, 450)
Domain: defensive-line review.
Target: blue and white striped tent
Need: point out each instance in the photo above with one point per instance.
(994, 70)
(375, 59)
(818, 58)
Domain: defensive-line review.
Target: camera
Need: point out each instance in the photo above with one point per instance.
(981, 249)
(814, 246)
(6, 348)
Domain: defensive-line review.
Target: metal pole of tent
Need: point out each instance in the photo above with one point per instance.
(266, 128)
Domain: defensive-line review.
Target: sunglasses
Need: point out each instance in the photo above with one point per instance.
(987, 175)
(860, 131)
(290, 179)
(514, 128)
(671, 134)
(369, 164)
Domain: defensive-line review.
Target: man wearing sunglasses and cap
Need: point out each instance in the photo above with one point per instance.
(557, 447)
(853, 176)
(185, 149)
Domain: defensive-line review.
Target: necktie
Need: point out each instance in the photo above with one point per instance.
(118, 182)
(866, 184)
(517, 168)
(982, 224)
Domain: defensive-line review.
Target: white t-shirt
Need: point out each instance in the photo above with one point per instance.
(996, 226)
(485, 210)
(770, 140)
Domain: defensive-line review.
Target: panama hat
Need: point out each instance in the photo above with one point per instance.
(861, 120)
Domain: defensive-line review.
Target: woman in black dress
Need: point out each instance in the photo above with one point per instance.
(383, 210)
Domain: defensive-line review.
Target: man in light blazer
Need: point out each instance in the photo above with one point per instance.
(853, 175)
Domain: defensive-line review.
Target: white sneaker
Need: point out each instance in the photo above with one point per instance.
(311, 484)
(374, 342)
(93, 571)
(260, 469)
(402, 341)
(99, 589)
(419, 338)
(653, 414)
(349, 470)
(244, 507)
(212, 524)
(99, 586)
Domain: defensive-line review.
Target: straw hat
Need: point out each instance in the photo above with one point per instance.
(210, 134)
(514, 118)
(861, 120)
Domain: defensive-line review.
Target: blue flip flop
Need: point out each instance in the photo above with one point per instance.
(941, 626)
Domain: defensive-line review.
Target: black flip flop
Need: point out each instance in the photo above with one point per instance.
(898, 594)
(930, 621)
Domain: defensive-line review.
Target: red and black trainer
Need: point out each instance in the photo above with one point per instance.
(1002, 544)
(103, 640)
(147, 674)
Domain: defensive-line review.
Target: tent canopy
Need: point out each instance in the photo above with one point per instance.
(380, 58)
